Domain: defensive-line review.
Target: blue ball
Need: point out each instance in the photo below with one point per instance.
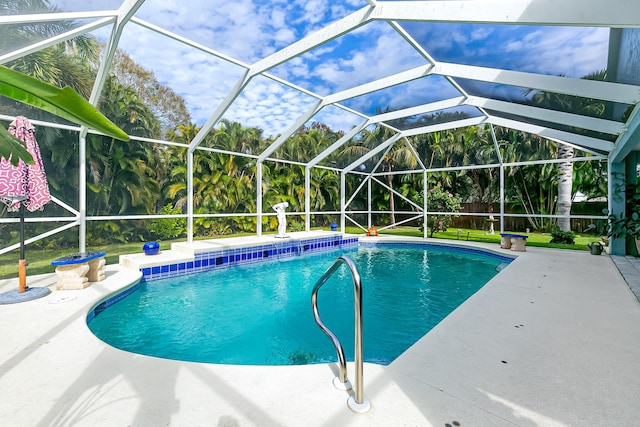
(151, 248)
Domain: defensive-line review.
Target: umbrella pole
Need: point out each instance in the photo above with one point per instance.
(22, 263)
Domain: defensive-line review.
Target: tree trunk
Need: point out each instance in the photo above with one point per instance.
(565, 184)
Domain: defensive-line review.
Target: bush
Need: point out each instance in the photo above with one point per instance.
(114, 231)
(168, 228)
(559, 236)
(445, 206)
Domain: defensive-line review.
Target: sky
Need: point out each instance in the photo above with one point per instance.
(249, 30)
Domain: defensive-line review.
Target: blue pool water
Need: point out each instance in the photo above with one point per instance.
(260, 314)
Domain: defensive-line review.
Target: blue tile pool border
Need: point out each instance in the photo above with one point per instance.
(112, 299)
(206, 261)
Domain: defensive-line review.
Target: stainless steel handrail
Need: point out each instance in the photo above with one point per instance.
(358, 403)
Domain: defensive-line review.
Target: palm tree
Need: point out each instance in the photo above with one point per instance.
(576, 105)
(325, 189)
(223, 182)
(400, 154)
(65, 64)
(534, 187)
(478, 150)
(120, 175)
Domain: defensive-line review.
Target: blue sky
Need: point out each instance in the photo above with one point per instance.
(250, 30)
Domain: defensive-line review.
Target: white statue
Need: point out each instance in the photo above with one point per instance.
(282, 218)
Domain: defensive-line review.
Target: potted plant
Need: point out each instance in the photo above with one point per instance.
(628, 226)
(628, 223)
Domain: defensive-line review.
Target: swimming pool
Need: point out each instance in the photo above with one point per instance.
(260, 314)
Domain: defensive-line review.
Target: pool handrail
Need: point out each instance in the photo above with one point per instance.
(357, 403)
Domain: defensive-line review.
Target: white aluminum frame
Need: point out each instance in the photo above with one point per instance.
(613, 13)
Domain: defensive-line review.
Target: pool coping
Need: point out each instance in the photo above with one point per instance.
(558, 371)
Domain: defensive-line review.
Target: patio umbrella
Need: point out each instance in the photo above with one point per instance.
(24, 186)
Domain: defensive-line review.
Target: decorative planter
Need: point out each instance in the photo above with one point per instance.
(151, 248)
(334, 226)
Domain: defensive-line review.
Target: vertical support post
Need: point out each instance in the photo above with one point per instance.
(496, 146)
(424, 204)
(631, 178)
(369, 224)
(259, 198)
(307, 198)
(617, 201)
(82, 192)
(501, 198)
(343, 206)
(190, 196)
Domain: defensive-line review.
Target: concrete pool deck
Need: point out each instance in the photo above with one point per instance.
(552, 340)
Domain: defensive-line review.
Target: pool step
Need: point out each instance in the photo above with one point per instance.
(140, 261)
(186, 252)
(204, 255)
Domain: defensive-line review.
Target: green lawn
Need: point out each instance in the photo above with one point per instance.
(534, 239)
(39, 261)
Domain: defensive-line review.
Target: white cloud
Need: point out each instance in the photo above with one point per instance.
(284, 35)
(278, 18)
(253, 29)
(337, 118)
(238, 28)
(298, 68)
(201, 79)
(385, 54)
(481, 33)
(567, 51)
(459, 37)
(514, 46)
(269, 106)
(427, 89)
(315, 10)
(342, 121)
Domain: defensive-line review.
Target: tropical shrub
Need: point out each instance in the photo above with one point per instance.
(560, 236)
(628, 223)
(114, 231)
(442, 206)
(168, 228)
(221, 228)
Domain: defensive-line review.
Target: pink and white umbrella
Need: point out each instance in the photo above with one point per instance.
(26, 184)
(23, 186)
